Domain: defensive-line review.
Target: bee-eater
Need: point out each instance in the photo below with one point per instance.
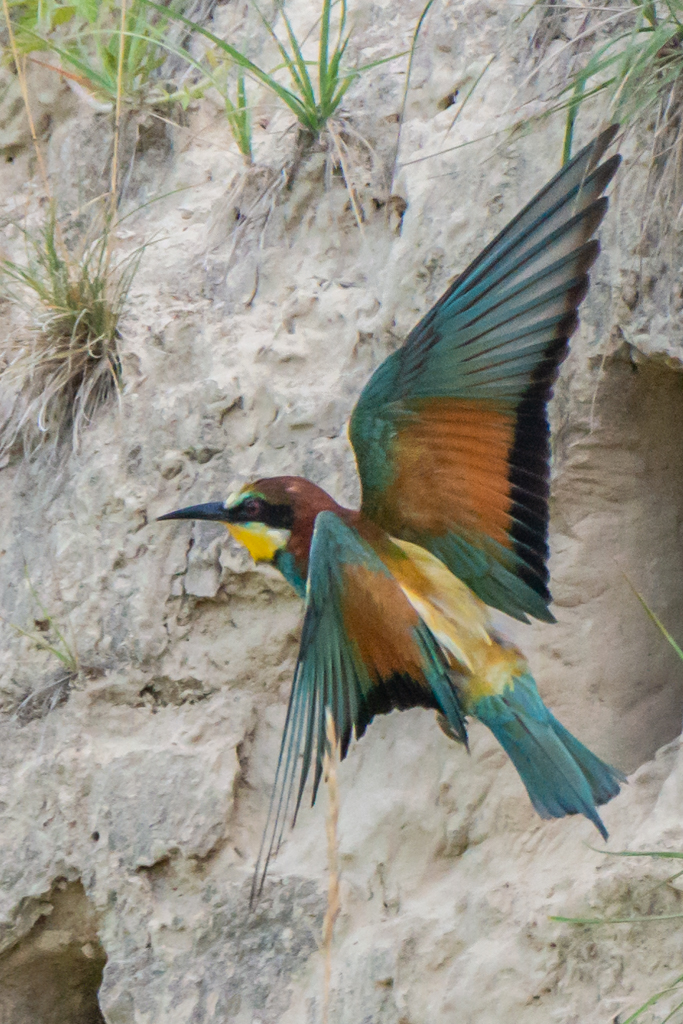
(452, 444)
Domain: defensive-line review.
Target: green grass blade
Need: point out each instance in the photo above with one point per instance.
(302, 77)
(572, 113)
(671, 1014)
(660, 625)
(239, 119)
(339, 95)
(334, 73)
(45, 612)
(653, 1000)
(351, 76)
(288, 63)
(649, 12)
(244, 139)
(66, 659)
(323, 54)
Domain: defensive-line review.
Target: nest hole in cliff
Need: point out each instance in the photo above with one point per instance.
(53, 975)
(618, 509)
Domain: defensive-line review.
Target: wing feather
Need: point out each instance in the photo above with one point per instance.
(364, 650)
(451, 433)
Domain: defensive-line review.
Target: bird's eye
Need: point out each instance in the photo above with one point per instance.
(252, 507)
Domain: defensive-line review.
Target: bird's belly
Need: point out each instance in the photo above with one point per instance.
(460, 623)
(449, 640)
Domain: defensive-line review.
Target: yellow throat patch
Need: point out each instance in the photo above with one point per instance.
(261, 541)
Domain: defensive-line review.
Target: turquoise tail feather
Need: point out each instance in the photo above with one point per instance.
(561, 775)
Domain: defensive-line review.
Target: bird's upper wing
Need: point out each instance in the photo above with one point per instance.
(364, 651)
(451, 433)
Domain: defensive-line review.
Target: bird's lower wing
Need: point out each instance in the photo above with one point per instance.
(364, 651)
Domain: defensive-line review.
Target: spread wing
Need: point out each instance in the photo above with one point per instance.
(451, 433)
(364, 651)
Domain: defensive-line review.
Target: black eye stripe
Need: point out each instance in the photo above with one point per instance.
(257, 510)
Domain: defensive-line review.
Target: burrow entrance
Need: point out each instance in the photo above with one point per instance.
(617, 524)
(53, 975)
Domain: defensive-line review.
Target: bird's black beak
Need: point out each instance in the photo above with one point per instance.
(213, 510)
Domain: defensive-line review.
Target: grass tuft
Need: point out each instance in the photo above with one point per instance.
(67, 365)
(105, 49)
(312, 89)
(48, 636)
(312, 107)
(56, 378)
(638, 67)
(629, 60)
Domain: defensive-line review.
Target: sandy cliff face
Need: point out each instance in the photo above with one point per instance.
(132, 802)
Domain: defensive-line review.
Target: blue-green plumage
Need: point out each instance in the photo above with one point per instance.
(284, 561)
(561, 775)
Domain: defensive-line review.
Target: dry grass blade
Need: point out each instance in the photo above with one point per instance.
(41, 701)
(401, 116)
(117, 116)
(24, 93)
(357, 212)
(331, 825)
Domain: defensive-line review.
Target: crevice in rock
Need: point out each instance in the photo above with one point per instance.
(162, 691)
(53, 974)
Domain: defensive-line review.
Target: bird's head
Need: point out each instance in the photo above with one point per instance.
(264, 515)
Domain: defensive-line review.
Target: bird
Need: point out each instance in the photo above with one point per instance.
(452, 444)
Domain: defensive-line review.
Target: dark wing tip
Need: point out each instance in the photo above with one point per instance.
(601, 144)
(593, 216)
(606, 171)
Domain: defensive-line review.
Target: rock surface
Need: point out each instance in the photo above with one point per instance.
(132, 798)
